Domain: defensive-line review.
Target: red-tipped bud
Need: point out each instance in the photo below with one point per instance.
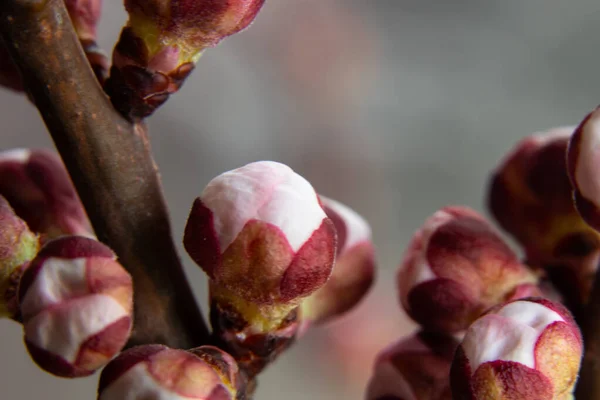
(455, 268)
(18, 246)
(525, 349)
(38, 187)
(415, 368)
(354, 269)
(261, 235)
(162, 42)
(158, 372)
(531, 197)
(76, 304)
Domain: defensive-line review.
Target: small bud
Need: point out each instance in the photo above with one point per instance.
(38, 187)
(76, 304)
(161, 44)
(416, 368)
(531, 197)
(159, 372)
(261, 235)
(18, 246)
(354, 269)
(455, 268)
(525, 349)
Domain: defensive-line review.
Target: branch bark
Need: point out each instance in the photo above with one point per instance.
(588, 386)
(111, 165)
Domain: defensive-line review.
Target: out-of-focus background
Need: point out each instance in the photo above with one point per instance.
(395, 107)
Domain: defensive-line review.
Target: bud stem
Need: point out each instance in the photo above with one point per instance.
(111, 165)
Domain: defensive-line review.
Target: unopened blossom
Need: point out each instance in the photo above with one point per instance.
(531, 197)
(415, 368)
(18, 246)
(161, 44)
(260, 234)
(455, 268)
(76, 305)
(38, 187)
(159, 372)
(525, 349)
(354, 269)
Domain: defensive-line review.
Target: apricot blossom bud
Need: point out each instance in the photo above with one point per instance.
(525, 349)
(161, 44)
(531, 197)
(455, 268)
(415, 368)
(38, 187)
(76, 304)
(354, 269)
(262, 237)
(18, 246)
(159, 372)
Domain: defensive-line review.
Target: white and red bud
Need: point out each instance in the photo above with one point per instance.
(531, 197)
(354, 269)
(18, 246)
(76, 303)
(38, 187)
(457, 267)
(521, 350)
(159, 372)
(583, 159)
(261, 235)
(415, 368)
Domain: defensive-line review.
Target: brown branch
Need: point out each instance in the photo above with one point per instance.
(588, 386)
(111, 166)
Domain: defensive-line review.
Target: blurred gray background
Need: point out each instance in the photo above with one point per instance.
(395, 107)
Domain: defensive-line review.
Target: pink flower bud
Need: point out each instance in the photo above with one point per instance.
(38, 187)
(354, 269)
(158, 372)
(531, 197)
(525, 349)
(18, 246)
(85, 15)
(261, 235)
(455, 268)
(415, 368)
(76, 304)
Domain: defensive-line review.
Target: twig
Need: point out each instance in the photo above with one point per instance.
(111, 166)
(588, 386)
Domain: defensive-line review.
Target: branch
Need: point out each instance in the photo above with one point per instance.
(588, 386)
(111, 166)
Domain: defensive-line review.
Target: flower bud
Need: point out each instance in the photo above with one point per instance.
(261, 235)
(38, 187)
(415, 368)
(531, 197)
(159, 372)
(525, 349)
(354, 269)
(18, 246)
(161, 44)
(76, 304)
(455, 268)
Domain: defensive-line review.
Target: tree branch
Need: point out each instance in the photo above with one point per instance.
(588, 386)
(111, 166)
